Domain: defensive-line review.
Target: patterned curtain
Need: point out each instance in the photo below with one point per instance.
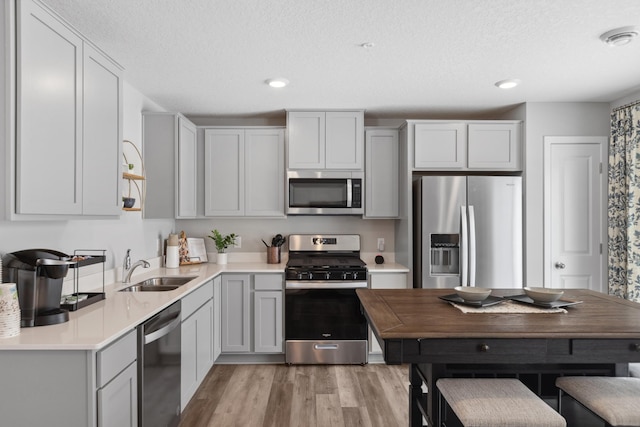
(624, 203)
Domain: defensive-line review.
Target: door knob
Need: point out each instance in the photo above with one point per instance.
(560, 265)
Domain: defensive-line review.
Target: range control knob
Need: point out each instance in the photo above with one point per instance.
(345, 275)
(327, 275)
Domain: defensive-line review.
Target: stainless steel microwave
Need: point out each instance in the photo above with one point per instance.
(325, 193)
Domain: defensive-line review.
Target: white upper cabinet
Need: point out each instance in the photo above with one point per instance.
(68, 121)
(381, 173)
(494, 146)
(187, 185)
(331, 140)
(244, 172)
(440, 145)
(101, 135)
(170, 157)
(486, 146)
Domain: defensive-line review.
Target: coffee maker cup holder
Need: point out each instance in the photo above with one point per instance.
(77, 299)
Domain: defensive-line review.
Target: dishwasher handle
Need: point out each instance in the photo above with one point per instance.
(163, 329)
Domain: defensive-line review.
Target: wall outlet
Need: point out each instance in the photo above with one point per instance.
(381, 244)
(238, 242)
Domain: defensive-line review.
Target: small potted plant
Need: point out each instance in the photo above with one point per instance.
(222, 242)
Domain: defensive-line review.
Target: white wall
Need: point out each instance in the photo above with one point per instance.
(129, 231)
(550, 119)
(252, 230)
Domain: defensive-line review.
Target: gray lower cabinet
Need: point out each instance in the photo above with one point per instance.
(246, 329)
(197, 354)
(217, 319)
(384, 281)
(69, 131)
(117, 401)
(74, 388)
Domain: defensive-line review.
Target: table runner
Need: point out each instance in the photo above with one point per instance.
(507, 307)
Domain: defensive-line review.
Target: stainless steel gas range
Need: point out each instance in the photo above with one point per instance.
(323, 320)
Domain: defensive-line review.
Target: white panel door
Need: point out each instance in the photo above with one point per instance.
(267, 327)
(574, 212)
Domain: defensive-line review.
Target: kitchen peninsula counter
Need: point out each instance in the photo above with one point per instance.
(97, 325)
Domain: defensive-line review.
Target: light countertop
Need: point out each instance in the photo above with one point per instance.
(96, 325)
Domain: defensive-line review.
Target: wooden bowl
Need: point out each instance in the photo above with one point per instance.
(544, 295)
(468, 293)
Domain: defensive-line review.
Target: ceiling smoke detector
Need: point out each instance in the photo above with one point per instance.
(619, 36)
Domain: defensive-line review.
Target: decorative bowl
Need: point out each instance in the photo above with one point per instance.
(544, 295)
(472, 294)
(128, 202)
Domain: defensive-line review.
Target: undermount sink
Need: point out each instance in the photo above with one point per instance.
(158, 284)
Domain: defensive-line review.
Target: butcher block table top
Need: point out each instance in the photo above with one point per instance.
(420, 314)
(599, 336)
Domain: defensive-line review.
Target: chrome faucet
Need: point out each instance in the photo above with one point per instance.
(127, 267)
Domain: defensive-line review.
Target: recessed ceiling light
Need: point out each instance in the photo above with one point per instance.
(619, 36)
(278, 83)
(508, 83)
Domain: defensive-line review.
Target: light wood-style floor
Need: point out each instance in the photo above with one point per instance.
(301, 395)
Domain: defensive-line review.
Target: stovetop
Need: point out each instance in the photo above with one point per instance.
(325, 261)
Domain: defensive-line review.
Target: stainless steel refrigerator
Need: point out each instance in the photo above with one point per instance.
(468, 231)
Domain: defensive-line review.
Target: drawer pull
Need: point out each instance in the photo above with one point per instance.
(484, 348)
(634, 347)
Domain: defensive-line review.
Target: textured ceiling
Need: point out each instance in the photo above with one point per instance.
(212, 57)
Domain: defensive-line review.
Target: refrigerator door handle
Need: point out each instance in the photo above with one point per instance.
(472, 247)
(464, 240)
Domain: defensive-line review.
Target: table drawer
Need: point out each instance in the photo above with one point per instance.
(620, 349)
(479, 350)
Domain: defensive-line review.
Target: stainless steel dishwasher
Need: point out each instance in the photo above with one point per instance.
(159, 369)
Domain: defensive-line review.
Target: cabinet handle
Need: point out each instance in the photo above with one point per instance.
(483, 348)
(634, 347)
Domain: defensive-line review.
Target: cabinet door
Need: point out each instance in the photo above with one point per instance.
(102, 135)
(236, 317)
(204, 340)
(344, 147)
(187, 170)
(440, 146)
(306, 137)
(264, 168)
(49, 115)
(384, 281)
(217, 317)
(196, 351)
(224, 172)
(494, 146)
(188, 361)
(267, 321)
(381, 174)
(118, 400)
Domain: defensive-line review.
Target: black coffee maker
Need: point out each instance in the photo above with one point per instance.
(38, 275)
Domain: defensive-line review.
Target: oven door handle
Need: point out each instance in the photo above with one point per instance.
(324, 285)
(164, 329)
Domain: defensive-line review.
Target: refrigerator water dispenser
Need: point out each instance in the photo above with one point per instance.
(445, 254)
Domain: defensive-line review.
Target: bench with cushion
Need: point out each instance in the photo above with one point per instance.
(496, 402)
(614, 399)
